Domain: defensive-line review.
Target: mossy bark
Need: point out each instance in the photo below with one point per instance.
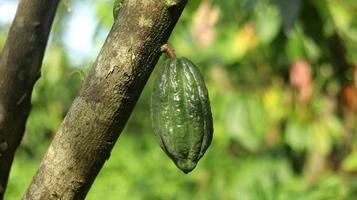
(20, 64)
(106, 100)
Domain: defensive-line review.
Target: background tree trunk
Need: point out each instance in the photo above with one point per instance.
(20, 65)
(106, 100)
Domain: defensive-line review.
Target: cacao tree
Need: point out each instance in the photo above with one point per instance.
(20, 65)
(102, 107)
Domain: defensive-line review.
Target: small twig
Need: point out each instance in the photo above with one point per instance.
(21, 99)
(170, 52)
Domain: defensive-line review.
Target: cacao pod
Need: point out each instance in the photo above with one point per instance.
(181, 113)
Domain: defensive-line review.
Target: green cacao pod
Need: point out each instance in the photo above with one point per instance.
(181, 113)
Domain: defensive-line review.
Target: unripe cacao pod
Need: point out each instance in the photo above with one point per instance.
(181, 113)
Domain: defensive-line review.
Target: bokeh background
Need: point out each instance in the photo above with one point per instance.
(282, 79)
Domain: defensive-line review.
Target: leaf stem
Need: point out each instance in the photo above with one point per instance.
(170, 52)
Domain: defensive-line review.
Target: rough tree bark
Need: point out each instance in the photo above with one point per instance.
(106, 100)
(20, 65)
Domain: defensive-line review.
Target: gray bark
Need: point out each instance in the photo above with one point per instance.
(20, 64)
(106, 100)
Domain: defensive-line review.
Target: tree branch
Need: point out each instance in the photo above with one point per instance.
(20, 65)
(106, 100)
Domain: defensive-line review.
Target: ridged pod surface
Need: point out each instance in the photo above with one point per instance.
(181, 113)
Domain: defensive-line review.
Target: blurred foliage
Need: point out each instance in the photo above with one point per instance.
(268, 143)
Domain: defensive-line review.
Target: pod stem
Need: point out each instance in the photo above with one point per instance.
(170, 52)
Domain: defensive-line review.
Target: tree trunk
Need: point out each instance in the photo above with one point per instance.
(106, 100)
(20, 65)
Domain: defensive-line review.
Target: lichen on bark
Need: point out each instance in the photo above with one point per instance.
(170, 2)
(116, 7)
